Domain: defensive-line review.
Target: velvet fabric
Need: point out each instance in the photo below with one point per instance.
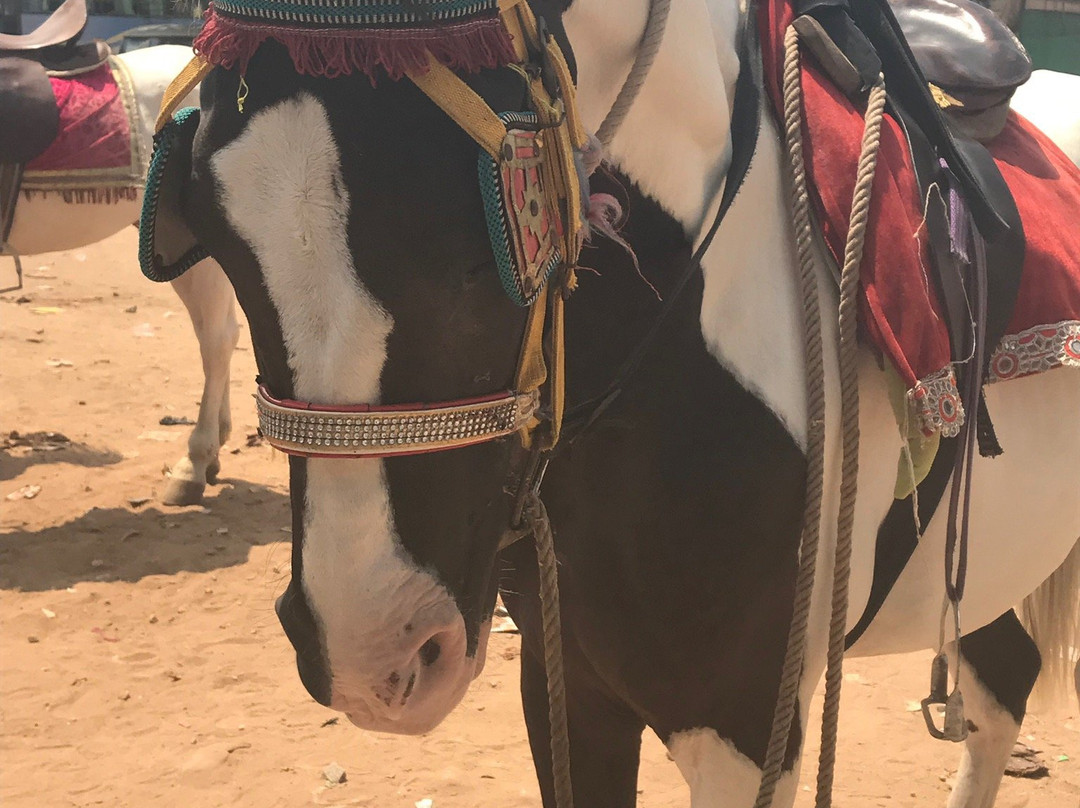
(95, 132)
(900, 310)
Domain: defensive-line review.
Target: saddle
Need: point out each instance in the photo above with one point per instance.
(950, 69)
(54, 44)
(855, 41)
(972, 61)
(27, 103)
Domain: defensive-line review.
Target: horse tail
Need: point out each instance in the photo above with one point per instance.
(1051, 615)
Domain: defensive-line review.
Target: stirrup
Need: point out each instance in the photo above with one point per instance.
(955, 727)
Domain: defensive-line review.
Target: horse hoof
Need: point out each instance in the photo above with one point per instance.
(212, 472)
(183, 492)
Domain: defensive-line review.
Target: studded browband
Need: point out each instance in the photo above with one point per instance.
(310, 430)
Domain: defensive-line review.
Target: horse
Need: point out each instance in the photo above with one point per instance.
(345, 213)
(204, 290)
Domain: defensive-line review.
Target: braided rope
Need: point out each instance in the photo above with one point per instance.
(643, 62)
(784, 711)
(849, 408)
(791, 675)
(539, 524)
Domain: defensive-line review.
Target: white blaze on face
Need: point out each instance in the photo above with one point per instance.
(282, 189)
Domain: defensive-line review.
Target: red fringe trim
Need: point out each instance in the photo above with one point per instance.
(332, 52)
(83, 196)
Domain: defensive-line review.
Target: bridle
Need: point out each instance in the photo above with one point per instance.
(550, 151)
(556, 187)
(535, 189)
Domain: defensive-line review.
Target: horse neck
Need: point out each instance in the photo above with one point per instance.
(675, 144)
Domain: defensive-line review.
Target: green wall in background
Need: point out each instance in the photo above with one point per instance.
(1053, 39)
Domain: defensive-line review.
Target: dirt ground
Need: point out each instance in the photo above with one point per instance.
(141, 662)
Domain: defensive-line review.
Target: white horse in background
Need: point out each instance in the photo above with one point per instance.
(1049, 100)
(47, 223)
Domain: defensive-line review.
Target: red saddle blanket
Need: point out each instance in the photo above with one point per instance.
(899, 306)
(94, 152)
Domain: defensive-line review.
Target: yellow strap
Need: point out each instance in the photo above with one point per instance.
(458, 100)
(517, 34)
(569, 91)
(532, 370)
(193, 73)
(557, 386)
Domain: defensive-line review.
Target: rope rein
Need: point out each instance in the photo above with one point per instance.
(643, 62)
(784, 710)
(849, 408)
(794, 657)
(536, 519)
(535, 516)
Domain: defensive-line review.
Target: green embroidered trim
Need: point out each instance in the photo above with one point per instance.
(172, 133)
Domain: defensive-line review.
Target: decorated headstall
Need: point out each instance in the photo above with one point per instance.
(529, 171)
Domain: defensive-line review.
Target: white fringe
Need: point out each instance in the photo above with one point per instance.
(1051, 615)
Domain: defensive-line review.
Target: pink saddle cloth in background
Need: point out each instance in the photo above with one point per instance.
(94, 156)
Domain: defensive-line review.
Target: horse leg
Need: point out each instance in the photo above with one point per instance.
(208, 297)
(998, 667)
(605, 737)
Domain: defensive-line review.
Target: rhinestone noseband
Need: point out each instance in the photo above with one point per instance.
(312, 430)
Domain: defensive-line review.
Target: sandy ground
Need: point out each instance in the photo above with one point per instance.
(141, 663)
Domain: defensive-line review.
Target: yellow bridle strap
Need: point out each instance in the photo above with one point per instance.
(533, 369)
(557, 387)
(193, 73)
(569, 93)
(458, 100)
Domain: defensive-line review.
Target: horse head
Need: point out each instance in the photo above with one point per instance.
(349, 215)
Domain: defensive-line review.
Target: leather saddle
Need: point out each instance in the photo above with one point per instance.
(27, 104)
(973, 62)
(855, 41)
(54, 44)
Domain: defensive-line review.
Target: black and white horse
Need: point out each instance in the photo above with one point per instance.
(348, 219)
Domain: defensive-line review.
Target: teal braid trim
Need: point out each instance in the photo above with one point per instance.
(164, 143)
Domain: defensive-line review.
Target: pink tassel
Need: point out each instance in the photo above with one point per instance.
(603, 217)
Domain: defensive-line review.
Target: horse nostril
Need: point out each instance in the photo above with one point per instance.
(429, 653)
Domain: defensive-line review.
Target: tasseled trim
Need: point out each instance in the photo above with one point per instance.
(470, 46)
(86, 196)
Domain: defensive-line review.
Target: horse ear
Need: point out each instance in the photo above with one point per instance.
(167, 246)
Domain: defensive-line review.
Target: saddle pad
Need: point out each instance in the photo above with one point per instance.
(94, 156)
(899, 307)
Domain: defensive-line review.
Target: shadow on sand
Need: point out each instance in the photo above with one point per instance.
(123, 544)
(14, 461)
